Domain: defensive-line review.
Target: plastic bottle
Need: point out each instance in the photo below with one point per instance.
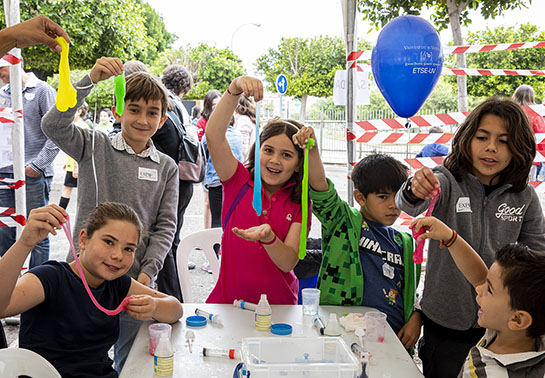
(263, 314)
(239, 303)
(332, 329)
(213, 318)
(163, 359)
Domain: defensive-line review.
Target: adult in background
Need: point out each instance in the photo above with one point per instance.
(178, 81)
(524, 96)
(38, 98)
(434, 149)
(245, 123)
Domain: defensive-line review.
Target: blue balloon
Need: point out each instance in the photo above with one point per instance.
(407, 62)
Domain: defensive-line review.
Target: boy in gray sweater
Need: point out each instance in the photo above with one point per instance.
(125, 168)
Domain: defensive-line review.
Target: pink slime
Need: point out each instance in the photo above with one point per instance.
(121, 307)
(418, 254)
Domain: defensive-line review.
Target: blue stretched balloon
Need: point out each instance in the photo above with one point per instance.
(406, 63)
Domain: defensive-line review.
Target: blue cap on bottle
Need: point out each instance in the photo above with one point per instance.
(195, 321)
(281, 329)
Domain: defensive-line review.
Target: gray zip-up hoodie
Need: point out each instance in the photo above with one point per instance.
(487, 224)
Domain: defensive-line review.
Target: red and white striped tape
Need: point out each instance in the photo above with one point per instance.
(366, 54)
(489, 72)
(11, 59)
(404, 138)
(9, 218)
(440, 119)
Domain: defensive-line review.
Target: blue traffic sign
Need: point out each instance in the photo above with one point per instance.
(281, 84)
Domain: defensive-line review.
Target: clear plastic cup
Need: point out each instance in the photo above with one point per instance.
(311, 301)
(155, 331)
(375, 324)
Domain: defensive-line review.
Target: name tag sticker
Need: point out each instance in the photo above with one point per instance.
(147, 174)
(463, 205)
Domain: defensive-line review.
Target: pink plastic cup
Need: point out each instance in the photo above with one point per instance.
(375, 324)
(155, 331)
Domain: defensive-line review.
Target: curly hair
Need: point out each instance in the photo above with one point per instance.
(246, 107)
(177, 79)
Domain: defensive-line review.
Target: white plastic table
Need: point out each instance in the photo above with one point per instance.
(390, 360)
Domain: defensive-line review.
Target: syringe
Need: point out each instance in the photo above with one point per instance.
(229, 353)
(319, 325)
(213, 318)
(239, 303)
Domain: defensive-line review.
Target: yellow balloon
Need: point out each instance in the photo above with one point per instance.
(66, 94)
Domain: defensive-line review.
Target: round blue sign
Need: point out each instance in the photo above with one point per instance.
(281, 84)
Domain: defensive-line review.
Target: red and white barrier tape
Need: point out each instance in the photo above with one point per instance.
(366, 54)
(404, 138)
(11, 59)
(440, 119)
(489, 72)
(12, 184)
(12, 221)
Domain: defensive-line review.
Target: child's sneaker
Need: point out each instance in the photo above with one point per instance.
(206, 268)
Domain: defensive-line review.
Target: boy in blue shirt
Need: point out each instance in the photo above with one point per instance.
(365, 261)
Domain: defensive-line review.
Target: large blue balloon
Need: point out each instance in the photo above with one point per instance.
(406, 63)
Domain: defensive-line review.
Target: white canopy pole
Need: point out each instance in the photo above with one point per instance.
(350, 37)
(11, 9)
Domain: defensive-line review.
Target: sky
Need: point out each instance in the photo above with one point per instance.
(229, 23)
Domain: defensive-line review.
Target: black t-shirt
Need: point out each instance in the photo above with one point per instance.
(66, 328)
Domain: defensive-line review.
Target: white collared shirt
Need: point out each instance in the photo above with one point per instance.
(120, 144)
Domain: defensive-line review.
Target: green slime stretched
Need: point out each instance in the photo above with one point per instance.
(119, 85)
(304, 204)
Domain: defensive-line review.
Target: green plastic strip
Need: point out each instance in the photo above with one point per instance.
(119, 84)
(304, 204)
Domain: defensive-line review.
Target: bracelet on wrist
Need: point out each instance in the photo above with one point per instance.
(268, 243)
(450, 242)
(233, 94)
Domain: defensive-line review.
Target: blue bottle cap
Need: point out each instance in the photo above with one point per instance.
(281, 329)
(195, 321)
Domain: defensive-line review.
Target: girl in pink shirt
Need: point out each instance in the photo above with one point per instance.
(258, 252)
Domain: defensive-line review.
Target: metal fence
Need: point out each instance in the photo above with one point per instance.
(330, 128)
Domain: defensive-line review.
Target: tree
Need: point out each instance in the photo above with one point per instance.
(447, 12)
(211, 68)
(96, 28)
(516, 59)
(309, 65)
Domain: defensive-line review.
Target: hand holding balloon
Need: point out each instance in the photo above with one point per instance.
(424, 184)
(66, 94)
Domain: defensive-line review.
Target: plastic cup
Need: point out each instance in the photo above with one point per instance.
(311, 301)
(375, 323)
(155, 331)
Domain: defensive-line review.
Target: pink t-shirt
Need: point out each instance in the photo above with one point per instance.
(246, 269)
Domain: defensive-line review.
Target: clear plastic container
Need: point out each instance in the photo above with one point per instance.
(315, 357)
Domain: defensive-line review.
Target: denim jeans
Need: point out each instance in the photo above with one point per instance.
(37, 195)
(128, 328)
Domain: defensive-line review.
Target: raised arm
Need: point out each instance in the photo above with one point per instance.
(223, 159)
(21, 294)
(467, 260)
(316, 174)
(39, 29)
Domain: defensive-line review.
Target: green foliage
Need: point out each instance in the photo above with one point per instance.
(211, 68)
(96, 28)
(100, 97)
(486, 86)
(379, 13)
(309, 65)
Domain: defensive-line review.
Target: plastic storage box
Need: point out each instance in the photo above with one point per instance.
(315, 357)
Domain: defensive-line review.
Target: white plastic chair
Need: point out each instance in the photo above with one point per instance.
(18, 361)
(203, 240)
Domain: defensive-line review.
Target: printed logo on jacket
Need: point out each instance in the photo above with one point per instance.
(510, 214)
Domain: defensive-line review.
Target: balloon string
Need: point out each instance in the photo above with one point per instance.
(418, 254)
(304, 203)
(256, 203)
(121, 307)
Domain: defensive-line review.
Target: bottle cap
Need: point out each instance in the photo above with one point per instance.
(281, 329)
(195, 321)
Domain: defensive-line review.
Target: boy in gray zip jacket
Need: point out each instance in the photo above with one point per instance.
(484, 195)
